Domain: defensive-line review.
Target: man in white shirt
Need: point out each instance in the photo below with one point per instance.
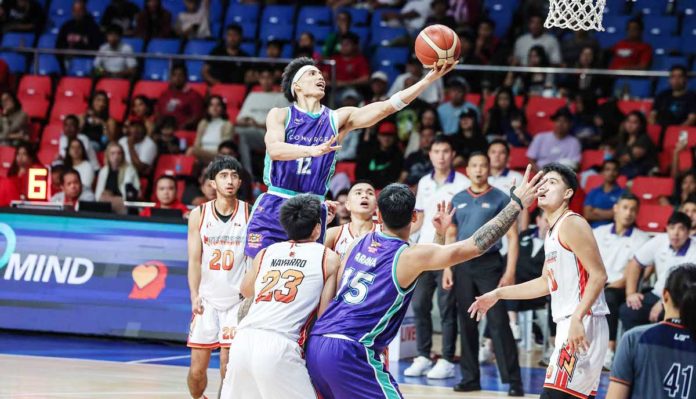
(537, 37)
(71, 129)
(412, 16)
(122, 66)
(414, 69)
(664, 252)
(140, 150)
(618, 242)
(440, 185)
(251, 121)
(72, 190)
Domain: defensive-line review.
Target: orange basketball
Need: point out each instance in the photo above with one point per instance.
(437, 44)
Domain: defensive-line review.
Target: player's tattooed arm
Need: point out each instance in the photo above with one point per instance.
(496, 228)
(244, 309)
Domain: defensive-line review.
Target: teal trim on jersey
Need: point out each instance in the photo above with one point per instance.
(333, 121)
(287, 120)
(267, 165)
(332, 169)
(288, 193)
(388, 389)
(394, 279)
(369, 338)
(256, 203)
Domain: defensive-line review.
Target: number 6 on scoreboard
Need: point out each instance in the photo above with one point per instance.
(38, 184)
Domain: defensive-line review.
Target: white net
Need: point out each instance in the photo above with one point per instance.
(575, 14)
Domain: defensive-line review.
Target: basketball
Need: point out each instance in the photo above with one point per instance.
(437, 44)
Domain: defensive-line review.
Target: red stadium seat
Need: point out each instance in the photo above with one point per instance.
(232, 93)
(117, 110)
(232, 113)
(34, 132)
(591, 158)
(257, 88)
(644, 106)
(174, 165)
(51, 135)
(188, 135)
(47, 155)
(348, 168)
(36, 107)
(665, 160)
(654, 132)
(149, 88)
(673, 132)
(7, 156)
(474, 98)
(116, 89)
(200, 88)
(34, 86)
(74, 89)
(539, 111)
(490, 100)
(63, 108)
(653, 218)
(595, 181)
(518, 158)
(649, 189)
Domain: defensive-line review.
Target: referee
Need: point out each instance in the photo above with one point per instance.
(474, 207)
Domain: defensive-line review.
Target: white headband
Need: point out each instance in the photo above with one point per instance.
(297, 77)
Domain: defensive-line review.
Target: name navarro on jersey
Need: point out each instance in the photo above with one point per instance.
(288, 262)
(308, 140)
(223, 240)
(365, 260)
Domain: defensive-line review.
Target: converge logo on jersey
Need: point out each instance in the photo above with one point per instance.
(40, 267)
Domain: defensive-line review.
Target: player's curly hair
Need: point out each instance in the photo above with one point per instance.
(289, 73)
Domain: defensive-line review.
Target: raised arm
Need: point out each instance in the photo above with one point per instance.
(195, 249)
(279, 150)
(332, 265)
(351, 118)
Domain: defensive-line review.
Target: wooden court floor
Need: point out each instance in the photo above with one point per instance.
(35, 377)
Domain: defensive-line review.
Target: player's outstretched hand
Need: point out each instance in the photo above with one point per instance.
(482, 303)
(443, 218)
(197, 305)
(577, 341)
(324, 148)
(529, 190)
(436, 72)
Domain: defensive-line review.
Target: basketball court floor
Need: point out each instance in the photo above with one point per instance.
(36, 366)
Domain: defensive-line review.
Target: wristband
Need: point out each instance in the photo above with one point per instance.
(515, 198)
(397, 102)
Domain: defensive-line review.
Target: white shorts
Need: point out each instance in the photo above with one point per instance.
(577, 373)
(214, 328)
(266, 365)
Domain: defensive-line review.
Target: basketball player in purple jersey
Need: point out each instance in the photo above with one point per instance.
(379, 273)
(301, 140)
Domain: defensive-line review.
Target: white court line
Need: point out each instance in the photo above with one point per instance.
(161, 359)
(85, 360)
(88, 394)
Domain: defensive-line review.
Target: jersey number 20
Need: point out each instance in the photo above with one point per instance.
(224, 259)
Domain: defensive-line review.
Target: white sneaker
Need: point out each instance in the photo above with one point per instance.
(486, 355)
(515, 331)
(443, 369)
(608, 359)
(419, 367)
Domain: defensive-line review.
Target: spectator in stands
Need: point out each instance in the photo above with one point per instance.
(412, 15)
(215, 72)
(684, 188)
(407, 121)
(332, 43)
(418, 163)
(245, 192)
(154, 21)
(558, 145)
(469, 138)
(352, 68)
(116, 178)
(486, 44)
(468, 57)
(439, 15)
(342, 213)
(140, 150)
(14, 122)
(167, 142)
(203, 192)
(142, 110)
(533, 84)
(380, 162)
(96, 124)
(414, 71)
(584, 127)
(305, 47)
(212, 130)
(72, 190)
(676, 105)
(124, 66)
(251, 120)
(631, 52)
(79, 33)
(349, 146)
(688, 207)
(18, 174)
(21, 16)
(497, 121)
(500, 176)
(664, 252)
(71, 126)
(192, 23)
(618, 242)
(572, 48)
(180, 100)
(573, 83)
(378, 86)
(599, 202)
(536, 37)
(635, 151)
(165, 192)
(8, 192)
(76, 158)
(274, 50)
(466, 12)
(121, 13)
(450, 111)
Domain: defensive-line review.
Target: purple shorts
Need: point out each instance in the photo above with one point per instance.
(343, 369)
(264, 226)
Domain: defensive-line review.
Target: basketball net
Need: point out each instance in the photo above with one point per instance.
(575, 14)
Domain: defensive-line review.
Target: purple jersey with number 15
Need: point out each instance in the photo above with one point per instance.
(310, 174)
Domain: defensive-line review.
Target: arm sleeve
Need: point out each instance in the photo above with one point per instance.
(645, 255)
(622, 370)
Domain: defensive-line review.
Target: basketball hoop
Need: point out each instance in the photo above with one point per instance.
(575, 14)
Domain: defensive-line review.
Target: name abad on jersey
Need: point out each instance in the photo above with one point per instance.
(288, 262)
(223, 240)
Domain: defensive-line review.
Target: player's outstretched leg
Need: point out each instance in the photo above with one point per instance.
(197, 377)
